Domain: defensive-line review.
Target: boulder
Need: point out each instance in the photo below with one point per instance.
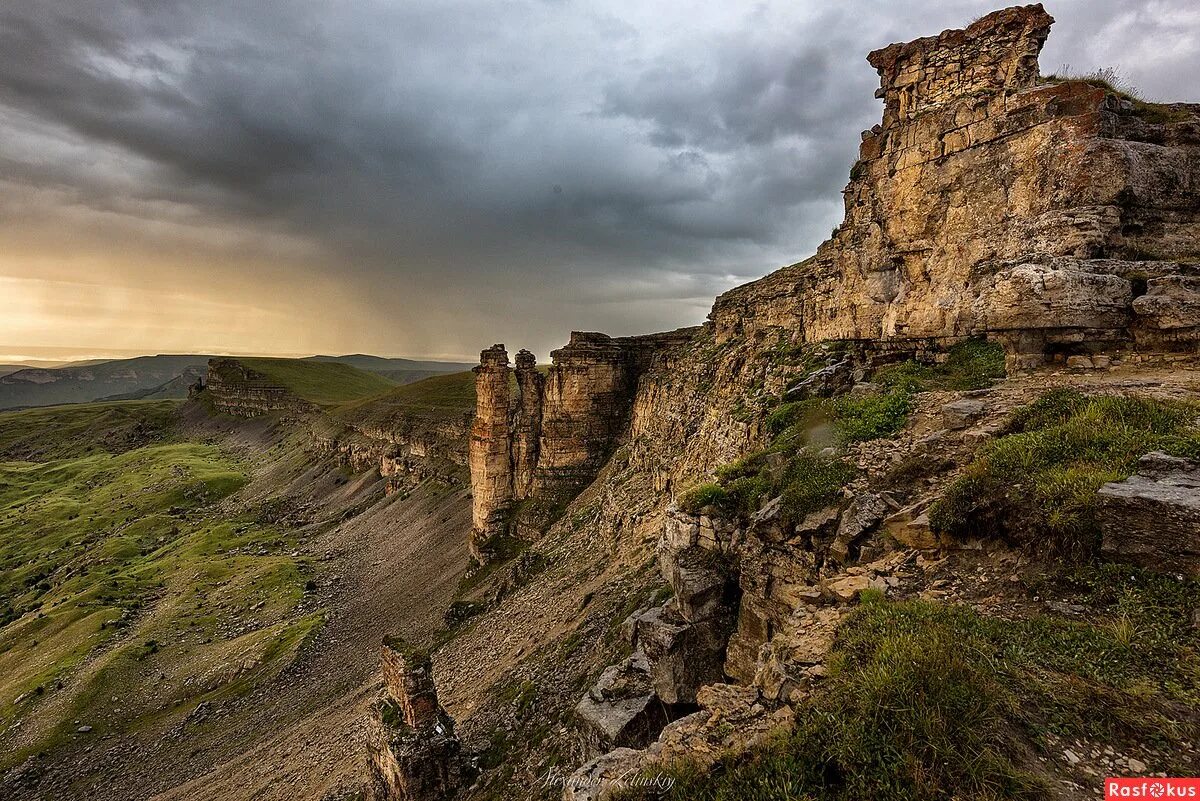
(1170, 302)
(683, 656)
(824, 383)
(864, 513)
(600, 778)
(960, 414)
(1152, 518)
(848, 588)
(910, 527)
(702, 585)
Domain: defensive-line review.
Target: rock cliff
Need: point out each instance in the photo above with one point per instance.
(413, 752)
(242, 392)
(548, 439)
(1057, 219)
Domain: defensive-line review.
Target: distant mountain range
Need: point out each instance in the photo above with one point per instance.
(162, 376)
(402, 371)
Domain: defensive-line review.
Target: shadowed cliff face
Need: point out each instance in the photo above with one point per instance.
(547, 440)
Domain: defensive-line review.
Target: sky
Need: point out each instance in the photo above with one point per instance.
(428, 177)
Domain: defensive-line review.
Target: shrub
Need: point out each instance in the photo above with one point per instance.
(866, 417)
(972, 364)
(788, 415)
(703, 495)
(811, 482)
(1037, 485)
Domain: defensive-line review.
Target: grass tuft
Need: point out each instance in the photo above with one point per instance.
(1037, 485)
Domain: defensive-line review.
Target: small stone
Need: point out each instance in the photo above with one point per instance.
(84, 729)
(1071, 756)
(848, 588)
(1080, 363)
(1136, 765)
(961, 413)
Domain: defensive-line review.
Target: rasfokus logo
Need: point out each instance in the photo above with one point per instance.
(1151, 788)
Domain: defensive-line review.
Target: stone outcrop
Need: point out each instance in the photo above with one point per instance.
(621, 709)
(989, 203)
(413, 753)
(237, 390)
(1152, 518)
(548, 440)
(678, 648)
(490, 449)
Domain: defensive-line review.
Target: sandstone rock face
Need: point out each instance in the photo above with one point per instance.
(237, 390)
(988, 203)
(490, 449)
(412, 751)
(1153, 518)
(549, 440)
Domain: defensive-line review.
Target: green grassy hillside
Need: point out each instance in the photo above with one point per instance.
(54, 432)
(130, 589)
(322, 383)
(442, 396)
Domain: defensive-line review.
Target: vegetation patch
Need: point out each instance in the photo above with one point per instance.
(807, 481)
(439, 397)
(930, 702)
(973, 364)
(122, 578)
(57, 432)
(322, 383)
(1037, 484)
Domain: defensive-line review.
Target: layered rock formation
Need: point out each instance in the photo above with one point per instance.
(405, 449)
(547, 440)
(1058, 218)
(413, 754)
(491, 449)
(1152, 518)
(242, 392)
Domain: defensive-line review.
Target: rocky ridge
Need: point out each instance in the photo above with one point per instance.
(1055, 219)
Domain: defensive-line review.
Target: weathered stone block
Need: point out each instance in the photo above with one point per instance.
(1153, 518)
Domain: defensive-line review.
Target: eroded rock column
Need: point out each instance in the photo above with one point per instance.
(527, 430)
(490, 454)
(413, 753)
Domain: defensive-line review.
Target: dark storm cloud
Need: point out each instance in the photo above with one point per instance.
(472, 171)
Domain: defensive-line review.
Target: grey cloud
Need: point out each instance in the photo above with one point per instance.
(470, 171)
